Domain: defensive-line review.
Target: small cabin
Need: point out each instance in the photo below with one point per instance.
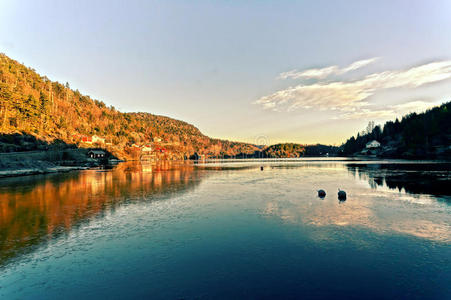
(373, 144)
(96, 154)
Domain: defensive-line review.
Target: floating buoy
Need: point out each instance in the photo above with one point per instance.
(341, 195)
(321, 193)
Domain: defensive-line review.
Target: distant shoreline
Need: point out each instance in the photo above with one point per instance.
(24, 164)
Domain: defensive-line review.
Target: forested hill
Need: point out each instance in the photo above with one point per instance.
(424, 135)
(33, 105)
(291, 150)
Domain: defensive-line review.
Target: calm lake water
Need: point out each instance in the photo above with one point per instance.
(229, 230)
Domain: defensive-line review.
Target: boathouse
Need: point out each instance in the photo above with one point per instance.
(96, 153)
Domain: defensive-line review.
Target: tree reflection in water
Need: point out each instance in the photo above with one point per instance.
(425, 178)
(36, 209)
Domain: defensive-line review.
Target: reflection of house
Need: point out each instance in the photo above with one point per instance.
(373, 144)
(96, 153)
(147, 168)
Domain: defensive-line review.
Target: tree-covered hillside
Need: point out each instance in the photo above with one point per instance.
(285, 150)
(291, 150)
(424, 135)
(34, 105)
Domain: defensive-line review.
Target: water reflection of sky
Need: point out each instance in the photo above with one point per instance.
(382, 207)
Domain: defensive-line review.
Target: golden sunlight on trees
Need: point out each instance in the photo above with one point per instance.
(32, 104)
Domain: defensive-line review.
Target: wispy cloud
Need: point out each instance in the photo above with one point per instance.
(388, 112)
(358, 64)
(351, 96)
(322, 73)
(310, 73)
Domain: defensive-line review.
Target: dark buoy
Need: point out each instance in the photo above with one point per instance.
(261, 168)
(341, 195)
(321, 193)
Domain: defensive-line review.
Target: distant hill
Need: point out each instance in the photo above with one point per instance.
(291, 150)
(285, 150)
(32, 104)
(424, 135)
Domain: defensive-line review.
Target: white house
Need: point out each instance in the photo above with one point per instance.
(146, 148)
(98, 139)
(373, 144)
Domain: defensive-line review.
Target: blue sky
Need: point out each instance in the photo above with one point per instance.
(243, 69)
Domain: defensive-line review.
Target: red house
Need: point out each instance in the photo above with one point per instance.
(87, 139)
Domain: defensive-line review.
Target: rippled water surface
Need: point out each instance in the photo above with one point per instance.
(229, 230)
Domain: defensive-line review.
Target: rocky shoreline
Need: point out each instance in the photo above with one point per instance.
(45, 162)
(36, 171)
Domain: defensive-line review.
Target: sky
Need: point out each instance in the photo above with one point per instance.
(254, 71)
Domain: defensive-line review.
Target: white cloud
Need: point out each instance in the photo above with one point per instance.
(388, 112)
(358, 64)
(310, 73)
(414, 106)
(351, 96)
(322, 73)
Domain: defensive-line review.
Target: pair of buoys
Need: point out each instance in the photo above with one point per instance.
(341, 194)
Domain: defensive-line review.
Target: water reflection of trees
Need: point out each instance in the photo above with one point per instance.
(425, 178)
(35, 209)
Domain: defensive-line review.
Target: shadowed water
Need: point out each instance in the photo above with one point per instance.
(228, 230)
